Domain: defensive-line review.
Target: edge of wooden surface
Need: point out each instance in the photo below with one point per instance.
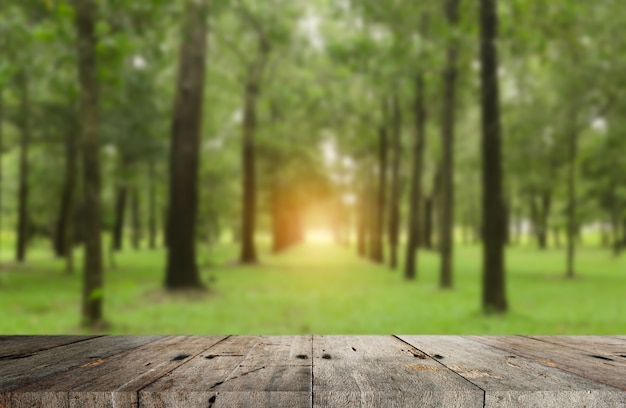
(592, 375)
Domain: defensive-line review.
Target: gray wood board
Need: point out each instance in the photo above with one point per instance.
(564, 357)
(251, 371)
(114, 381)
(15, 347)
(514, 381)
(382, 371)
(17, 373)
(605, 348)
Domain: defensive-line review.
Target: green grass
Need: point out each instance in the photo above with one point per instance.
(321, 288)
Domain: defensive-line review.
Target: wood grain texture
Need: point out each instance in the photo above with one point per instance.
(382, 371)
(17, 373)
(240, 371)
(305, 371)
(566, 358)
(512, 381)
(604, 348)
(15, 347)
(114, 381)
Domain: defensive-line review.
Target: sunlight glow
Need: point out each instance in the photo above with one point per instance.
(320, 235)
(348, 198)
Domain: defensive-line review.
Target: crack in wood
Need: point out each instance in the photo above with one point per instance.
(44, 348)
(445, 366)
(16, 356)
(238, 376)
(600, 357)
(212, 356)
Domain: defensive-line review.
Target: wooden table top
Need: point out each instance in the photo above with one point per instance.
(305, 371)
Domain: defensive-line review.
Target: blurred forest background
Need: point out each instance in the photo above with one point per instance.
(328, 166)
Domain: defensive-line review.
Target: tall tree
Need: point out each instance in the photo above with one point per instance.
(1, 154)
(23, 190)
(64, 240)
(572, 222)
(494, 293)
(378, 227)
(121, 193)
(85, 23)
(252, 89)
(135, 207)
(419, 144)
(446, 223)
(394, 199)
(66, 209)
(182, 269)
(152, 207)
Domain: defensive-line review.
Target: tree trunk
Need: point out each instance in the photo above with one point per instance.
(152, 225)
(494, 292)
(1, 167)
(446, 222)
(415, 209)
(90, 144)
(135, 210)
(248, 152)
(120, 210)
(427, 237)
(557, 237)
(66, 225)
(546, 201)
(166, 226)
(362, 215)
(63, 241)
(182, 268)
(539, 215)
(623, 232)
(426, 240)
(248, 248)
(572, 228)
(394, 199)
(279, 225)
(377, 253)
(23, 187)
(616, 241)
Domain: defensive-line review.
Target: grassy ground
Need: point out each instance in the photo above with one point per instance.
(321, 288)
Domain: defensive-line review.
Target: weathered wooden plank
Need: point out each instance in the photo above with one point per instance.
(15, 347)
(39, 399)
(114, 381)
(240, 371)
(220, 399)
(382, 371)
(566, 358)
(17, 373)
(605, 348)
(511, 381)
